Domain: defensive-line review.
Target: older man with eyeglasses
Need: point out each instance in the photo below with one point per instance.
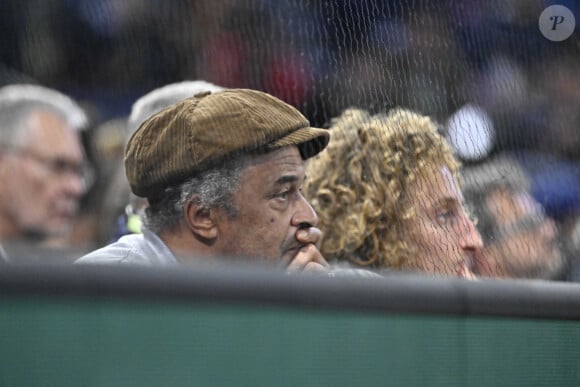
(520, 240)
(42, 163)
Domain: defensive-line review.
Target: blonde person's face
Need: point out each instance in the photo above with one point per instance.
(444, 238)
(41, 183)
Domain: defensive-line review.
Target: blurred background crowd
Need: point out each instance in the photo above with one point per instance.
(482, 69)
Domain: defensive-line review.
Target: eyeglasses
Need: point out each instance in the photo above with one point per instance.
(527, 223)
(58, 166)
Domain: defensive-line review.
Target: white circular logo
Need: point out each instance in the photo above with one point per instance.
(557, 23)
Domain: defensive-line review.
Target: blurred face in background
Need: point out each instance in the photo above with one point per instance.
(525, 243)
(445, 239)
(42, 179)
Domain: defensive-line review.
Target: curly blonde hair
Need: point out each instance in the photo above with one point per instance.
(358, 185)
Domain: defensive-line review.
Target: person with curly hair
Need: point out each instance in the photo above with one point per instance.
(387, 194)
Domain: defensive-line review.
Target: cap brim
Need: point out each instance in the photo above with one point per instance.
(310, 141)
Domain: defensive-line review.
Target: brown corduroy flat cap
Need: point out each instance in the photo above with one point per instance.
(185, 138)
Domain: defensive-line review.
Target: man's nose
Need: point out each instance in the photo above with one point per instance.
(75, 185)
(470, 239)
(304, 213)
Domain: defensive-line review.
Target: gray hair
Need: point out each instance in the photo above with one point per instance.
(213, 188)
(19, 100)
(160, 98)
(500, 173)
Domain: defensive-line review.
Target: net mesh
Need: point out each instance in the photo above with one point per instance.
(484, 70)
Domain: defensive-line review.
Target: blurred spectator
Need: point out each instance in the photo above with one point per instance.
(106, 144)
(42, 164)
(520, 240)
(387, 196)
(222, 174)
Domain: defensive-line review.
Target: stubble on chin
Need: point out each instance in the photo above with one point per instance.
(288, 250)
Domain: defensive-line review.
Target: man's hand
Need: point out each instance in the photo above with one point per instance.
(309, 235)
(308, 258)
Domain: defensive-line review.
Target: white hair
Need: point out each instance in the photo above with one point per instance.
(22, 94)
(162, 97)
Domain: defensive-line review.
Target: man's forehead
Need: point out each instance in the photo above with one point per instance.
(49, 132)
(284, 179)
(48, 114)
(47, 123)
(437, 185)
(505, 205)
(280, 166)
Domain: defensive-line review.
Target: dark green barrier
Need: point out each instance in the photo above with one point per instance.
(85, 327)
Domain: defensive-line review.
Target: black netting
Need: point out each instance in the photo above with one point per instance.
(489, 72)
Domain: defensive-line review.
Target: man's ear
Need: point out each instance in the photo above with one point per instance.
(199, 220)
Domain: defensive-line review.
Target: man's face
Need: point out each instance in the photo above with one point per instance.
(41, 185)
(270, 209)
(526, 242)
(445, 238)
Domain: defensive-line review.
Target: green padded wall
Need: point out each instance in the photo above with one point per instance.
(108, 342)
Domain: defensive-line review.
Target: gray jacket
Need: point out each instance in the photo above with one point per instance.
(145, 249)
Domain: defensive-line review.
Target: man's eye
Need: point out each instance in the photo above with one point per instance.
(444, 216)
(61, 166)
(282, 195)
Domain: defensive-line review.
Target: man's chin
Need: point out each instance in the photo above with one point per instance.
(288, 255)
(36, 235)
(56, 231)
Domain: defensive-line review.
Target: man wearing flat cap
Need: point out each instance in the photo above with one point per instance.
(223, 174)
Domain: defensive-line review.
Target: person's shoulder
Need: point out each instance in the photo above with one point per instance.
(145, 249)
(124, 251)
